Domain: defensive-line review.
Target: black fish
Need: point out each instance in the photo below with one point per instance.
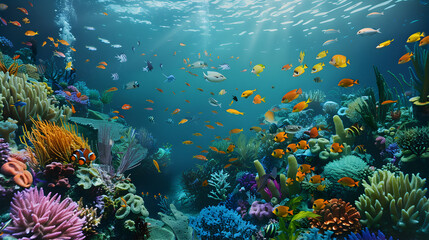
(317, 79)
(270, 231)
(149, 65)
(235, 98)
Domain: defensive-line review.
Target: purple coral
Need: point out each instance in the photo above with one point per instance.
(242, 208)
(57, 174)
(380, 142)
(73, 97)
(4, 150)
(247, 180)
(36, 216)
(261, 210)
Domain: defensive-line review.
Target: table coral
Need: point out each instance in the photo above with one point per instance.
(337, 216)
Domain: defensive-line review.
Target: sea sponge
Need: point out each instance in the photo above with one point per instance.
(35, 95)
(341, 135)
(7, 130)
(395, 203)
(414, 143)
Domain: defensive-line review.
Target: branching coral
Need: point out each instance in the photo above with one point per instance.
(35, 95)
(337, 216)
(51, 142)
(218, 181)
(395, 203)
(91, 219)
(414, 142)
(37, 216)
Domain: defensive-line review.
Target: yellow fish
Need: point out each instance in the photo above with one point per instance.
(339, 61)
(282, 211)
(299, 70)
(69, 65)
(247, 93)
(322, 54)
(183, 121)
(235, 112)
(415, 37)
(301, 57)
(317, 68)
(384, 44)
(187, 142)
(258, 69)
(319, 204)
(278, 153)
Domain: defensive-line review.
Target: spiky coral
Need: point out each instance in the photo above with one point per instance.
(337, 216)
(396, 202)
(414, 141)
(37, 216)
(247, 150)
(50, 142)
(91, 219)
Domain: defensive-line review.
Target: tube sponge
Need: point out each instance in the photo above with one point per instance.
(341, 134)
(397, 202)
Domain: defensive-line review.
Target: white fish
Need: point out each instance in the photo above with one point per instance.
(199, 64)
(115, 76)
(116, 46)
(214, 102)
(368, 31)
(214, 76)
(330, 41)
(330, 31)
(122, 58)
(89, 28)
(104, 40)
(224, 66)
(91, 48)
(374, 14)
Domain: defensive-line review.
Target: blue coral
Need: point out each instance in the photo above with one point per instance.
(366, 235)
(5, 44)
(218, 222)
(315, 235)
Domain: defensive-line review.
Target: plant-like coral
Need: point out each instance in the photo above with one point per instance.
(354, 107)
(50, 142)
(247, 150)
(178, 222)
(4, 150)
(337, 216)
(15, 89)
(37, 216)
(218, 222)
(414, 142)
(58, 175)
(218, 181)
(395, 202)
(314, 95)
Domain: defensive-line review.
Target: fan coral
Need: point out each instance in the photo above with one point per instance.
(395, 202)
(415, 142)
(218, 222)
(338, 216)
(35, 95)
(38, 216)
(51, 143)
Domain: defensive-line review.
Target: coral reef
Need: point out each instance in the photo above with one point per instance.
(414, 143)
(57, 174)
(38, 216)
(91, 219)
(218, 181)
(21, 176)
(134, 204)
(338, 216)
(261, 211)
(395, 203)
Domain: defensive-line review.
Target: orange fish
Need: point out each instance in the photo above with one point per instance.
(257, 99)
(78, 94)
(305, 168)
(301, 106)
(159, 89)
(44, 43)
(73, 49)
(83, 156)
(200, 157)
(205, 183)
(228, 165)
(182, 44)
(156, 165)
(72, 107)
(292, 95)
(200, 89)
(291, 148)
(63, 42)
(101, 67)
(23, 10)
(405, 58)
(219, 124)
(112, 89)
(15, 23)
(126, 106)
(199, 147)
(187, 84)
(187, 142)
(313, 133)
(336, 148)
(300, 176)
(176, 111)
(68, 93)
(105, 13)
(347, 82)
(286, 67)
(197, 134)
(187, 101)
(319, 204)
(31, 33)
(302, 145)
(278, 153)
(389, 102)
(209, 126)
(244, 70)
(103, 63)
(213, 149)
(232, 159)
(280, 137)
(183, 121)
(424, 41)
(222, 152)
(349, 182)
(316, 179)
(55, 44)
(235, 130)
(193, 74)
(125, 202)
(16, 57)
(269, 117)
(149, 100)
(204, 151)
(213, 111)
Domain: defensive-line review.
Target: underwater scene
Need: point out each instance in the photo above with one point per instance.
(214, 119)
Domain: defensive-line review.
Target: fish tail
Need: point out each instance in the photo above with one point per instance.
(422, 35)
(357, 183)
(392, 40)
(323, 64)
(356, 82)
(308, 100)
(326, 51)
(305, 66)
(263, 99)
(348, 61)
(299, 91)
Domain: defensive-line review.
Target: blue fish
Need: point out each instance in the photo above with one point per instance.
(169, 79)
(19, 104)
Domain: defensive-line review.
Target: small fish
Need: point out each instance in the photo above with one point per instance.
(176, 111)
(209, 126)
(15, 23)
(292, 95)
(374, 14)
(305, 168)
(301, 57)
(321, 187)
(360, 149)
(317, 80)
(235, 98)
(330, 31)
(197, 134)
(257, 69)
(10, 220)
(368, 32)
(355, 130)
(19, 103)
(298, 71)
(300, 176)
(59, 54)
(319, 204)
(415, 37)
(317, 68)
(101, 67)
(69, 65)
(160, 90)
(313, 133)
(219, 124)
(149, 100)
(316, 179)
(200, 157)
(183, 121)
(182, 44)
(330, 41)
(155, 163)
(235, 131)
(289, 181)
(227, 165)
(424, 41)
(63, 42)
(126, 106)
(278, 153)
(230, 148)
(247, 93)
(322, 54)
(3, 6)
(23, 10)
(280, 137)
(302, 145)
(405, 58)
(3, 20)
(73, 49)
(291, 148)
(301, 106)
(232, 159)
(16, 57)
(235, 112)
(384, 44)
(125, 202)
(282, 211)
(347, 82)
(26, 20)
(256, 129)
(205, 183)
(349, 182)
(83, 156)
(339, 61)
(336, 148)
(258, 99)
(187, 142)
(286, 67)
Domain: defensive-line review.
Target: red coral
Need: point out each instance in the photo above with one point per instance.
(57, 174)
(337, 216)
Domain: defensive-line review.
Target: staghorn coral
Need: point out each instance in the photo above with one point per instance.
(50, 142)
(37, 216)
(395, 203)
(35, 95)
(414, 143)
(91, 219)
(337, 216)
(218, 181)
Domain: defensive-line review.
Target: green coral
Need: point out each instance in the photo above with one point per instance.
(130, 225)
(89, 177)
(124, 187)
(395, 203)
(134, 204)
(414, 143)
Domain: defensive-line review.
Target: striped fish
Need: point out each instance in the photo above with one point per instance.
(270, 230)
(83, 156)
(360, 149)
(354, 130)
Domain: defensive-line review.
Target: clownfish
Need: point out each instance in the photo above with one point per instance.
(83, 156)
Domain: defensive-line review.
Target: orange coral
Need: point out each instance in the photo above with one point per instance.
(13, 68)
(18, 169)
(52, 143)
(338, 216)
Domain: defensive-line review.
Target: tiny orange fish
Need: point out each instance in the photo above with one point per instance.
(205, 183)
(213, 111)
(149, 100)
(101, 66)
(16, 57)
(219, 124)
(102, 63)
(389, 102)
(78, 94)
(159, 89)
(112, 89)
(182, 44)
(232, 159)
(187, 84)
(155, 163)
(209, 126)
(200, 157)
(73, 49)
(126, 106)
(228, 165)
(349, 182)
(176, 111)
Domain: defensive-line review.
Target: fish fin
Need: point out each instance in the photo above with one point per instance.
(348, 61)
(356, 82)
(323, 64)
(263, 99)
(357, 183)
(378, 30)
(326, 51)
(220, 105)
(422, 35)
(308, 100)
(392, 40)
(257, 74)
(382, 13)
(305, 66)
(299, 91)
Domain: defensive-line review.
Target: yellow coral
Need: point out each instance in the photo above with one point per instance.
(51, 142)
(91, 219)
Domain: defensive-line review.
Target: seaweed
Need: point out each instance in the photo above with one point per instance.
(420, 61)
(368, 111)
(383, 95)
